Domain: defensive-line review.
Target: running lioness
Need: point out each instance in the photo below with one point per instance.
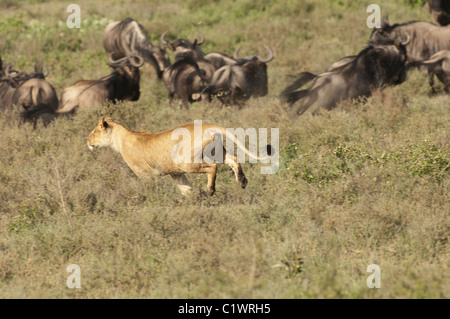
(153, 153)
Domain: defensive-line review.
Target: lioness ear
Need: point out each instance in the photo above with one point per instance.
(107, 122)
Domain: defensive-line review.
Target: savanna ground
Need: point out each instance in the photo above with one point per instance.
(366, 183)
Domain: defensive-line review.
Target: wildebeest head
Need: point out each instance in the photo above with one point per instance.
(127, 79)
(184, 48)
(389, 58)
(16, 78)
(127, 38)
(440, 10)
(255, 67)
(256, 74)
(387, 31)
(133, 57)
(260, 58)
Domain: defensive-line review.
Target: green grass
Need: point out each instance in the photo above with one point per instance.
(366, 183)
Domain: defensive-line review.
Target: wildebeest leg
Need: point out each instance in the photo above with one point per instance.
(431, 80)
(183, 184)
(171, 97)
(232, 162)
(185, 103)
(233, 96)
(447, 88)
(205, 97)
(305, 103)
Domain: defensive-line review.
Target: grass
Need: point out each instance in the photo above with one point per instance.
(366, 183)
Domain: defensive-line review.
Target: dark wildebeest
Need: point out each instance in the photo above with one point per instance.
(236, 83)
(439, 65)
(381, 63)
(121, 84)
(27, 91)
(425, 38)
(184, 79)
(7, 85)
(127, 38)
(189, 52)
(182, 48)
(440, 10)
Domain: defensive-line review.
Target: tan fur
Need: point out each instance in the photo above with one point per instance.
(149, 153)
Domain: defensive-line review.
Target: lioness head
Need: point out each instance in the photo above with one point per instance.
(101, 135)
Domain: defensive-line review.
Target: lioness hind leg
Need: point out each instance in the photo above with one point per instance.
(183, 184)
(231, 161)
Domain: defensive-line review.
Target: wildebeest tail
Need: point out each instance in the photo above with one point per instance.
(417, 64)
(150, 58)
(293, 97)
(304, 78)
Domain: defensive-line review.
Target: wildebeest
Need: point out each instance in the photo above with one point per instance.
(381, 63)
(182, 48)
(127, 38)
(236, 83)
(440, 10)
(121, 84)
(27, 91)
(183, 79)
(439, 65)
(425, 38)
(190, 72)
(7, 85)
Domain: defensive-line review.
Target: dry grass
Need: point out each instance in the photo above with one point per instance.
(367, 183)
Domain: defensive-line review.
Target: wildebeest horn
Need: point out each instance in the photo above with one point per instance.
(270, 58)
(138, 58)
(133, 42)
(408, 38)
(8, 66)
(162, 38)
(235, 54)
(39, 69)
(202, 38)
(8, 69)
(118, 61)
(46, 72)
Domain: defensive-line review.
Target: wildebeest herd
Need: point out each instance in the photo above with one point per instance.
(197, 76)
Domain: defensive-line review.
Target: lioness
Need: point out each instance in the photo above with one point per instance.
(153, 153)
